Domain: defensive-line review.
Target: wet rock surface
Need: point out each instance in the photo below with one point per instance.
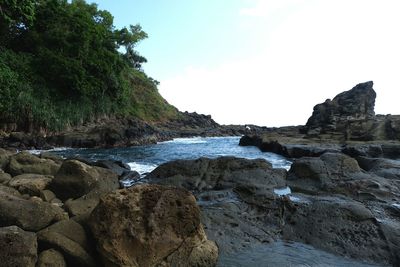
(333, 205)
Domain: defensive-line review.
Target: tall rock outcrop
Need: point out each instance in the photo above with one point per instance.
(351, 116)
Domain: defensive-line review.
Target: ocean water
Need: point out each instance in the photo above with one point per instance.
(144, 159)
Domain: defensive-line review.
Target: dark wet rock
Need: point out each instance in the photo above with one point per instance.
(17, 247)
(70, 238)
(51, 258)
(75, 179)
(316, 174)
(117, 167)
(339, 173)
(70, 229)
(27, 214)
(73, 253)
(218, 174)
(48, 155)
(156, 226)
(31, 184)
(83, 205)
(341, 226)
(386, 168)
(291, 148)
(234, 195)
(25, 162)
(129, 177)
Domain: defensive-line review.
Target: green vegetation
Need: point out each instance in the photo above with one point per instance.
(61, 65)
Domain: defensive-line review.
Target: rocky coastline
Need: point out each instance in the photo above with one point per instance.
(121, 132)
(344, 195)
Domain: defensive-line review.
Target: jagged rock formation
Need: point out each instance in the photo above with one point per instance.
(350, 116)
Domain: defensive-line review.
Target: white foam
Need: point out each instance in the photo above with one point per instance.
(192, 140)
(40, 151)
(283, 191)
(142, 168)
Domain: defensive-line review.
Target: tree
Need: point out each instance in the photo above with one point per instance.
(15, 17)
(129, 38)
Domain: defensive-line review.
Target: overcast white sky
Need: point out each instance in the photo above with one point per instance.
(268, 62)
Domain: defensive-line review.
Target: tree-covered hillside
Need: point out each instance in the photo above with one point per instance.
(61, 64)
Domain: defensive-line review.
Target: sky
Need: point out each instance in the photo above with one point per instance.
(266, 62)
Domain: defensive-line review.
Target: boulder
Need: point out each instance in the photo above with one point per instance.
(17, 247)
(117, 167)
(47, 195)
(31, 184)
(73, 253)
(83, 205)
(27, 214)
(70, 239)
(151, 225)
(9, 190)
(218, 174)
(342, 226)
(316, 174)
(51, 258)
(75, 179)
(341, 174)
(25, 162)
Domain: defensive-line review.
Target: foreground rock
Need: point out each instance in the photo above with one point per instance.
(343, 226)
(25, 162)
(151, 225)
(30, 215)
(82, 185)
(17, 247)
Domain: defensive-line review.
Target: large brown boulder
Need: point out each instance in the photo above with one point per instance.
(17, 247)
(75, 179)
(24, 162)
(28, 214)
(151, 225)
